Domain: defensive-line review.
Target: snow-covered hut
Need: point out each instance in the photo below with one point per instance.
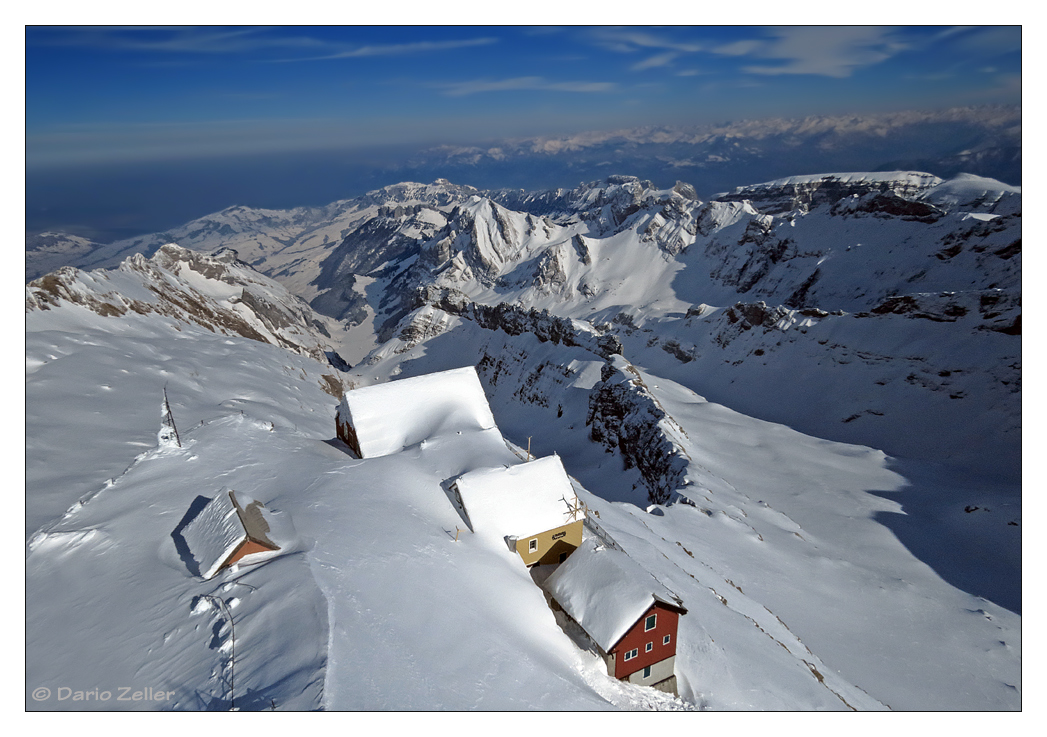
(625, 611)
(230, 527)
(532, 506)
(386, 418)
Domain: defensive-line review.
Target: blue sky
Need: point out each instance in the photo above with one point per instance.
(116, 94)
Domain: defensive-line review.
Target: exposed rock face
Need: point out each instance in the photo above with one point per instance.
(625, 417)
(516, 320)
(758, 314)
(999, 310)
(806, 193)
(888, 204)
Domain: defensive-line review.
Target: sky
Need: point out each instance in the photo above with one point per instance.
(131, 95)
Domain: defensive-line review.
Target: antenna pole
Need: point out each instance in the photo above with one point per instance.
(170, 418)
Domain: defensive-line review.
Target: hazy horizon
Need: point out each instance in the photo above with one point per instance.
(133, 130)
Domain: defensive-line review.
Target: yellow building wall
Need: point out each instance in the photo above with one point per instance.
(550, 544)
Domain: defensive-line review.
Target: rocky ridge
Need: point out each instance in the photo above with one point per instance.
(215, 291)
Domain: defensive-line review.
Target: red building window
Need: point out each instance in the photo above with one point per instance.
(650, 622)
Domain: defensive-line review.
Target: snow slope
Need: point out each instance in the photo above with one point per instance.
(817, 574)
(794, 535)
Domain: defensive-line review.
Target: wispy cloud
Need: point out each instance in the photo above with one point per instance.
(402, 49)
(658, 60)
(830, 51)
(219, 41)
(990, 41)
(738, 48)
(164, 40)
(471, 87)
(629, 41)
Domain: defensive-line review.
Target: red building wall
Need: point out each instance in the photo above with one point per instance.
(665, 624)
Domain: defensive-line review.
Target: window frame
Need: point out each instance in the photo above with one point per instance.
(650, 622)
(646, 672)
(630, 654)
(667, 639)
(648, 647)
(532, 545)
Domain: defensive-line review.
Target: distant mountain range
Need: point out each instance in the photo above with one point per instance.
(986, 141)
(108, 203)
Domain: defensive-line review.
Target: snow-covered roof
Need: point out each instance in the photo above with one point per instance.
(519, 500)
(219, 529)
(605, 591)
(390, 417)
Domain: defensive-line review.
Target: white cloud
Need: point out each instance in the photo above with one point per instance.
(658, 60)
(831, 51)
(628, 41)
(738, 48)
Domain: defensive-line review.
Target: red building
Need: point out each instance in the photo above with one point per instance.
(630, 616)
(646, 654)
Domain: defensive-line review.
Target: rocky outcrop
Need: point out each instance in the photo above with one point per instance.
(887, 204)
(626, 418)
(803, 194)
(516, 320)
(998, 310)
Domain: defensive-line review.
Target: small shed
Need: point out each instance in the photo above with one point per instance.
(230, 527)
(627, 613)
(532, 506)
(386, 418)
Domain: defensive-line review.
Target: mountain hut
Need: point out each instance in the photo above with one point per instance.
(627, 613)
(231, 527)
(532, 506)
(386, 418)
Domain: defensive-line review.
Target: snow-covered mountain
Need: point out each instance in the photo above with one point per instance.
(797, 405)
(897, 294)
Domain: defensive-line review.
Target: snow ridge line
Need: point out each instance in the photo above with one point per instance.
(52, 527)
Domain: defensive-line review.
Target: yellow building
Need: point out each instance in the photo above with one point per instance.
(531, 506)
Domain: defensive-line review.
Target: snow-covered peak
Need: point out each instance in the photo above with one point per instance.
(976, 194)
